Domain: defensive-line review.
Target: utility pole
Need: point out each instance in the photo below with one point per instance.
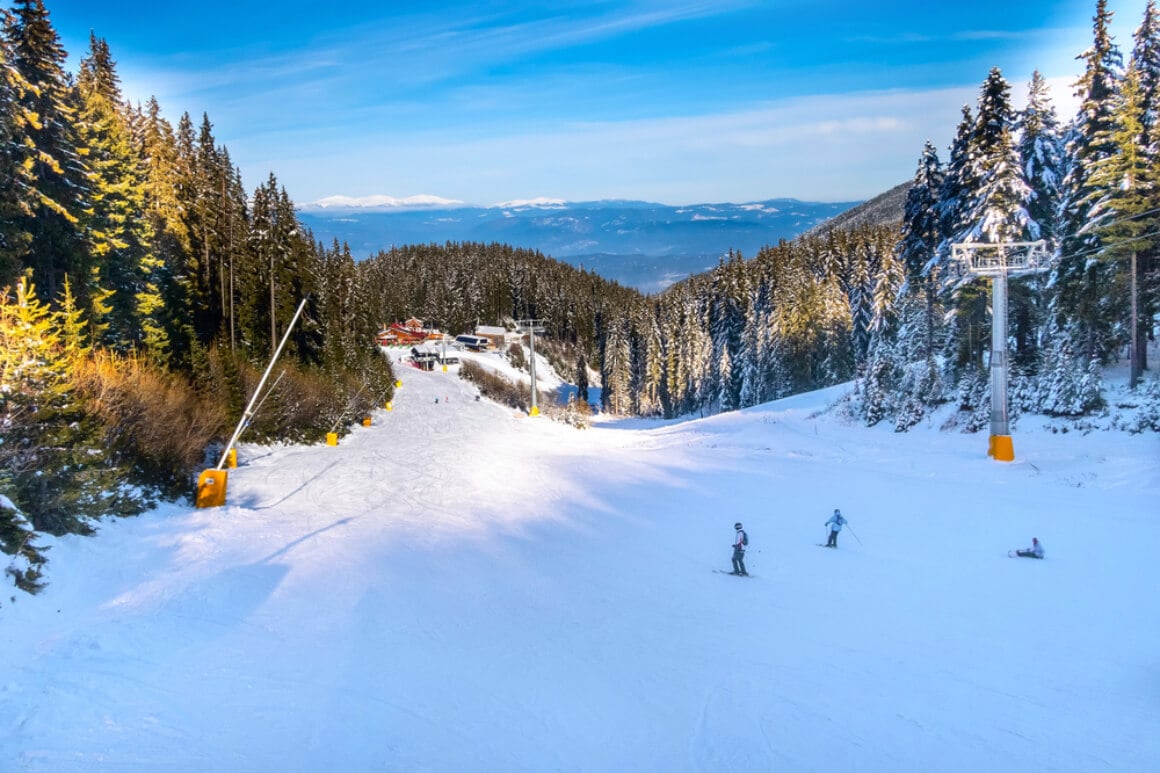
(1134, 368)
(531, 327)
(998, 261)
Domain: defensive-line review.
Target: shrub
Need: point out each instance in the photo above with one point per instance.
(154, 421)
(495, 387)
(17, 539)
(299, 404)
(516, 357)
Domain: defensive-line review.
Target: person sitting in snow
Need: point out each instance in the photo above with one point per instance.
(739, 550)
(835, 523)
(1035, 551)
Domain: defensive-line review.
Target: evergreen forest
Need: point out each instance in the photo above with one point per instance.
(143, 289)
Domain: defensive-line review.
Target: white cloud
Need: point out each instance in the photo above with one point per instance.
(835, 148)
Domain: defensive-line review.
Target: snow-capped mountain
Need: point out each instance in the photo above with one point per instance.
(640, 244)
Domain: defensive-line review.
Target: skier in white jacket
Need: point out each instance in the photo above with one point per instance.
(1035, 551)
(835, 523)
(739, 543)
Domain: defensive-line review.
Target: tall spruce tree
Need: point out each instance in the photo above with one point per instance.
(114, 224)
(996, 208)
(1146, 61)
(958, 184)
(1041, 154)
(921, 239)
(1079, 312)
(17, 182)
(1123, 212)
(49, 150)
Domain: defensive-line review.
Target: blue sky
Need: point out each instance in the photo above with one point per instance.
(675, 102)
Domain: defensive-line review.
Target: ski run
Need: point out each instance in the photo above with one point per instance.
(459, 587)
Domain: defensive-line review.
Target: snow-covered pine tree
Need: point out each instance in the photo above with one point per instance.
(919, 388)
(759, 381)
(919, 245)
(616, 370)
(957, 188)
(647, 370)
(1079, 279)
(582, 378)
(1041, 153)
(1123, 211)
(117, 236)
(1040, 148)
(1146, 61)
(995, 211)
(996, 208)
(1072, 385)
(18, 539)
(727, 322)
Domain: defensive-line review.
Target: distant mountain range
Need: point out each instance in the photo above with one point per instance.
(638, 244)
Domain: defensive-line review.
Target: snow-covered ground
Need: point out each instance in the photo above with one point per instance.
(461, 588)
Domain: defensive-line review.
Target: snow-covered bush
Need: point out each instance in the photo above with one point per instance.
(17, 540)
(921, 389)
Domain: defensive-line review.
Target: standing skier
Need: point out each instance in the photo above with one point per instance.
(835, 523)
(739, 550)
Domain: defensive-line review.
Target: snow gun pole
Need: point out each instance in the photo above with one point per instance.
(269, 392)
(349, 403)
(250, 408)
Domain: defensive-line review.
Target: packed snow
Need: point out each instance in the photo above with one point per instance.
(459, 587)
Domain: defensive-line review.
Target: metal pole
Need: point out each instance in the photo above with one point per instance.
(999, 425)
(249, 408)
(1134, 359)
(535, 411)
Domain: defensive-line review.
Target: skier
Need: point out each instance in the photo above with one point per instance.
(835, 523)
(1035, 551)
(739, 550)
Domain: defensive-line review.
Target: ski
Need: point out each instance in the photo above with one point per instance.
(826, 546)
(722, 571)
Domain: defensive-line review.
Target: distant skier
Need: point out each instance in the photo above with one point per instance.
(835, 523)
(739, 545)
(1035, 551)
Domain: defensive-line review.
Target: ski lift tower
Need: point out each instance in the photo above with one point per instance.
(531, 327)
(999, 261)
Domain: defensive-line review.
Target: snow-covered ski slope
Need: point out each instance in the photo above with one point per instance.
(460, 588)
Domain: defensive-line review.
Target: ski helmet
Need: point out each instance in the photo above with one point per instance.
(737, 525)
(837, 511)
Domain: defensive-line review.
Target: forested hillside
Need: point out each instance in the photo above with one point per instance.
(143, 290)
(892, 306)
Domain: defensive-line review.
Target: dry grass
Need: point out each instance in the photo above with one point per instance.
(150, 415)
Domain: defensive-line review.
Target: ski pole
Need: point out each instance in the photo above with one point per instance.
(852, 533)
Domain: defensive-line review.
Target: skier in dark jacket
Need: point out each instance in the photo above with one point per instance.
(739, 550)
(835, 523)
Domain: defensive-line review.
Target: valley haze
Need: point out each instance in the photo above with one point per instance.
(639, 244)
